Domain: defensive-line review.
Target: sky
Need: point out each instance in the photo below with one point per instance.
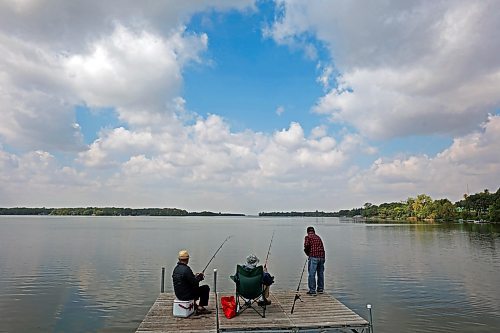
(247, 106)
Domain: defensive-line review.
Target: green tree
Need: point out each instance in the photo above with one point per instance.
(369, 210)
(421, 206)
(443, 209)
(494, 209)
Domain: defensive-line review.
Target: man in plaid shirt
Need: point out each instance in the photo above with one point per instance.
(313, 247)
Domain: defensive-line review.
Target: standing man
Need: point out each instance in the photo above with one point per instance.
(313, 247)
(187, 284)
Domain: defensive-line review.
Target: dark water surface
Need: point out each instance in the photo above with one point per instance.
(101, 274)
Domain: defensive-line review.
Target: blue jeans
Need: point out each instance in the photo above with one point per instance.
(316, 266)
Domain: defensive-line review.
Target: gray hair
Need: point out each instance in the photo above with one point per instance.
(252, 259)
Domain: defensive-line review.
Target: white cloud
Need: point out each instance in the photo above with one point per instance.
(121, 54)
(384, 103)
(36, 120)
(290, 138)
(206, 165)
(69, 26)
(208, 149)
(33, 116)
(207, 157)
(472, 160)
(28, 178)
(290, 156)
(106, 151)
(279, 110)
(133, 79)
(408, 67)
(326, 76)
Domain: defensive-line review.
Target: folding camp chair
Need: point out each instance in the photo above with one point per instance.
(249, 289)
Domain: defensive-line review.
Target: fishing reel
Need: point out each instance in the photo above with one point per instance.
(297, 297)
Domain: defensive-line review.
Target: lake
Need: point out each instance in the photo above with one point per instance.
(102, 274)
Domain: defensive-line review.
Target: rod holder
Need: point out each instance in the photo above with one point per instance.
(216, 300)
(162, 280)
(369, 307)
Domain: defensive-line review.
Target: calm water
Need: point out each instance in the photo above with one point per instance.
(101, 274)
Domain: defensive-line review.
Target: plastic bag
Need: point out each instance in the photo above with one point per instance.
(228, 306)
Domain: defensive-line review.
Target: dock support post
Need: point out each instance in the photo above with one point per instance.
(163, 279)
(369, 307)
(216, 301)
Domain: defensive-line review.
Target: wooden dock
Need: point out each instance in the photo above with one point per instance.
(321, 313)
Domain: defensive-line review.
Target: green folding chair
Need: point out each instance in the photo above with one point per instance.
(249, 289)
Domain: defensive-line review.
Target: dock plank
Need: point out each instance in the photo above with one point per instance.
(313, 312)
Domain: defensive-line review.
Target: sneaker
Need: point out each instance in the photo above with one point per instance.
(311, 293)
(262, 303)
(320, 291)
(202, 311)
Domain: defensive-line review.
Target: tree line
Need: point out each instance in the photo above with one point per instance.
(482, 206)
(108, 211)
(300, 214)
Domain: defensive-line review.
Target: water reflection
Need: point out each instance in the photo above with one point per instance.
(84, 274)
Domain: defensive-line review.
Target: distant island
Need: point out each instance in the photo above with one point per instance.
(301, 214)
(479, 207)
(108, 211)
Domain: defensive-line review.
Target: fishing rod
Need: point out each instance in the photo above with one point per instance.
(220, 247)
(269, 250)
(297, 295)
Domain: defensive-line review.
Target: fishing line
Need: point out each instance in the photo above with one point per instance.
(220, 247)
(269, 250)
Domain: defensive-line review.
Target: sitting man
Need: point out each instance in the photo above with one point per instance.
(267, 279)
(187, 284)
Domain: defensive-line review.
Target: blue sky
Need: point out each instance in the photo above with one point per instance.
(247, 106)
(249, 76)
